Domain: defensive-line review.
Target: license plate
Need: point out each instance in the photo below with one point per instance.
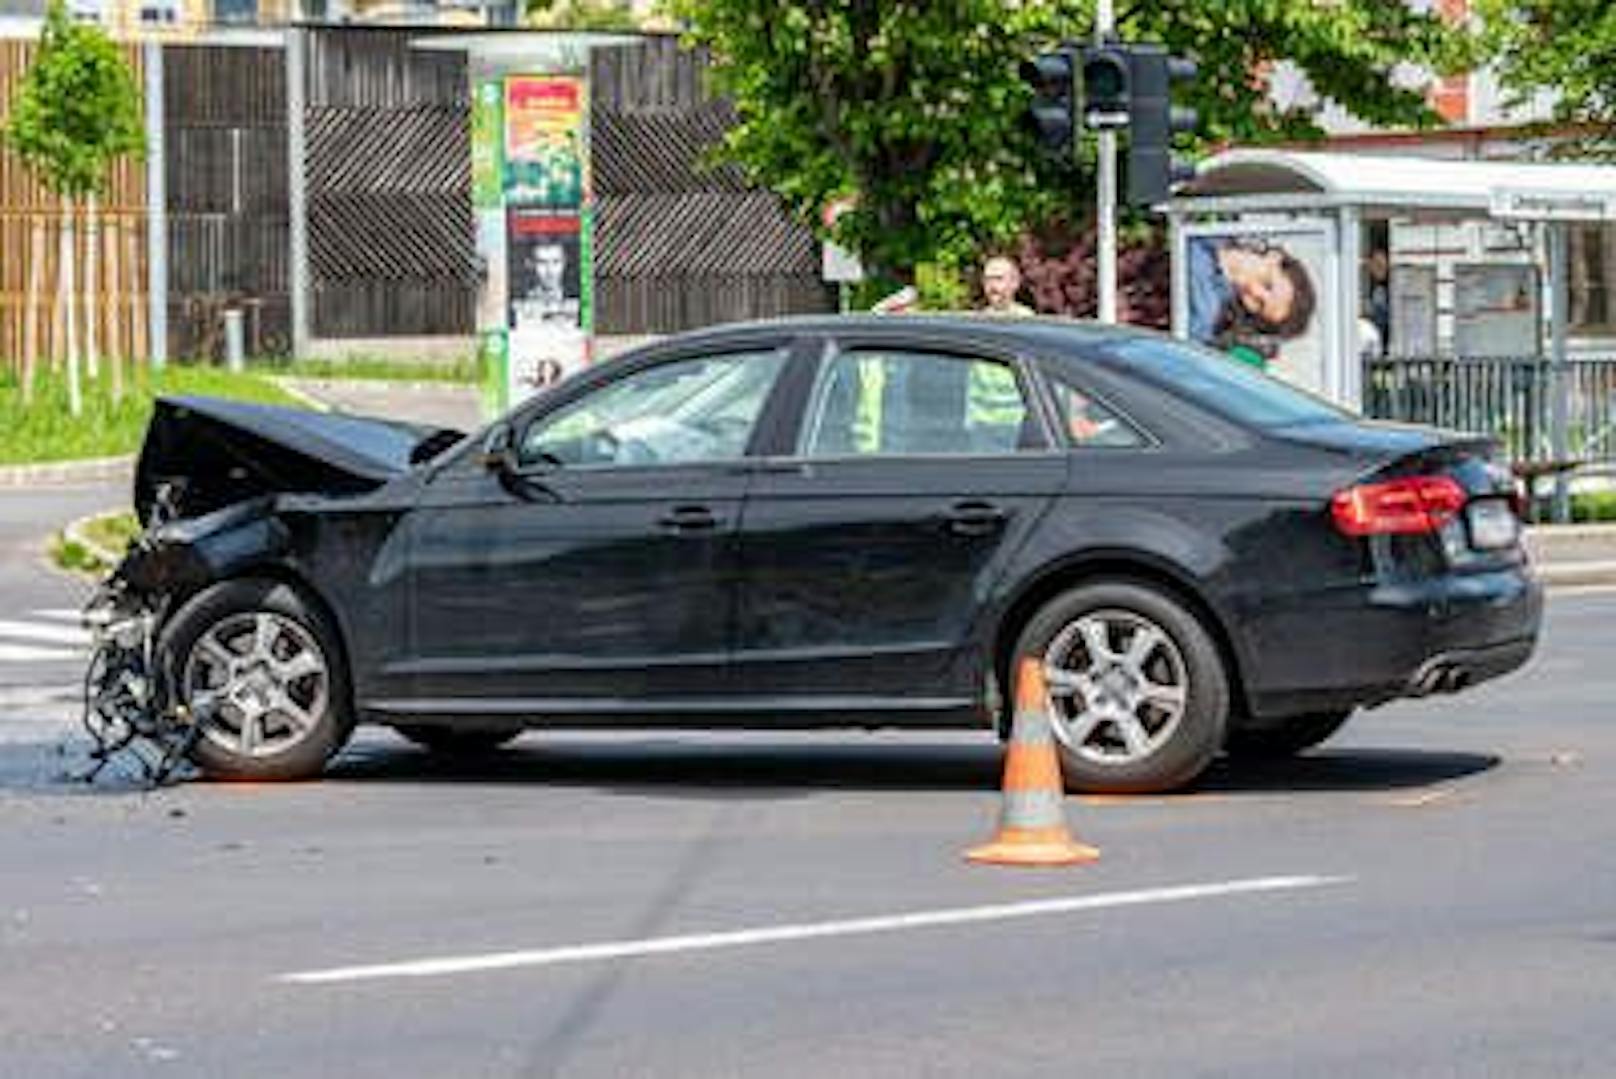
(1492, 524)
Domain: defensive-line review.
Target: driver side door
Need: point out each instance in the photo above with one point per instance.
(594, 576)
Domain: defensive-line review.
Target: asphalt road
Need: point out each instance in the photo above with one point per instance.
(1448, 908)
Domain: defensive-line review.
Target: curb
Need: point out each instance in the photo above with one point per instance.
(428, 386)
(68, 472)
(290, 388)
(73, 532)
(1584, 572)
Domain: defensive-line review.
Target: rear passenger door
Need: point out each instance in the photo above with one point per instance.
(869, 542)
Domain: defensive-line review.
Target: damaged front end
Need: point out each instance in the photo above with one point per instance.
(130, 707)
(209, 489)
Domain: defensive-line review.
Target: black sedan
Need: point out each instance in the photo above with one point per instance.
(830, 522)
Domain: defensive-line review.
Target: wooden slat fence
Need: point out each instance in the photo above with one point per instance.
(226, 196)
(26, 206)
(680, 243)
(392, 247)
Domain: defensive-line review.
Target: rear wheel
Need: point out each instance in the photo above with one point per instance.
(1288, 738)
(1138, 696)
(457, 740)
(259, 668)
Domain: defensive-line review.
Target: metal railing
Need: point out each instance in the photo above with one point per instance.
(1509, 398)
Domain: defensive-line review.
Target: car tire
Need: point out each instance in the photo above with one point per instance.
(440, 738)
(261, 669)
(1127, 723)
(1286, 739)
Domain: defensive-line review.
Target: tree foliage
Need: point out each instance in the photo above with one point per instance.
(1567, 47)
(915, 105)
(77, 109)
(601, 15)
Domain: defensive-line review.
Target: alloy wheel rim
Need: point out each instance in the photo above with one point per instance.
(1118, 687)
(258, 682)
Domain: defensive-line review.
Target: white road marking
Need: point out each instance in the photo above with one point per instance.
(43, 631)
(71, 615)
(633, 949)
(27, 653)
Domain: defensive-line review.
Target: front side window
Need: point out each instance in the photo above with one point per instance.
(699, 409)
(880, 402)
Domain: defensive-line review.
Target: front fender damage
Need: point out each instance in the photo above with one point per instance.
(132, 711)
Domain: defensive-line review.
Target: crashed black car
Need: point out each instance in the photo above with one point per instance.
(827, 522)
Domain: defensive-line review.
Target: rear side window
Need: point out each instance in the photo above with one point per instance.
(1089, 422)
(1221, 384)
(902, 403)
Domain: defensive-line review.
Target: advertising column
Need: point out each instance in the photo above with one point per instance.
(530, 186)
(545, 182)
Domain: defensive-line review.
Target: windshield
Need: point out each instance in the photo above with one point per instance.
(1222, 384)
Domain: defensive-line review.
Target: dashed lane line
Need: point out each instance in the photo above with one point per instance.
(929, 919)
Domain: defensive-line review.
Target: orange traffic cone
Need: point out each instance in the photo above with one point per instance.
(1032, 825)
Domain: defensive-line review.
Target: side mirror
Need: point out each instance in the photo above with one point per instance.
(499, 450)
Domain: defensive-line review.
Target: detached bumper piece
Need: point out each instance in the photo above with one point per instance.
(130, 727)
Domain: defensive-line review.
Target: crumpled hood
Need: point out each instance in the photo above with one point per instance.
(220, 452)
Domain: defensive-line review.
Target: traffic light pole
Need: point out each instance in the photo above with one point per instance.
(1104, 24)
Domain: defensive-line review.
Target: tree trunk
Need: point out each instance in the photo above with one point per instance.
(115, 290)
(67, 264)
(92, 293)
(31, 313)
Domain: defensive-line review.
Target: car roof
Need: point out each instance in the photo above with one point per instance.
(1046, 333)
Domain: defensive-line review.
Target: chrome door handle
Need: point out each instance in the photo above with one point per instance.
(975, 518)
(689, 519)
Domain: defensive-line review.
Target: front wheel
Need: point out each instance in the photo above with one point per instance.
(1138, 695)
(259, 668)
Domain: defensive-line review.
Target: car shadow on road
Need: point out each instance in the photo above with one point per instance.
(671, 768)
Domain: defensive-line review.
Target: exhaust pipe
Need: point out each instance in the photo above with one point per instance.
(1432, 680)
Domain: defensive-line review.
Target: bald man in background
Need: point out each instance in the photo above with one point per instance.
(1001, 279)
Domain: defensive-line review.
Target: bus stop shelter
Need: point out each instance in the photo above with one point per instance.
(1258, 228)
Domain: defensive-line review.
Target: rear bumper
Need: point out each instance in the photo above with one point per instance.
(1369, 645)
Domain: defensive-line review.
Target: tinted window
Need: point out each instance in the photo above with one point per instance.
(889, 402)
(1089, 422)
(688, 410)
(1221, 384)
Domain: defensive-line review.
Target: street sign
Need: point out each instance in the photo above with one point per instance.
(1525, 204)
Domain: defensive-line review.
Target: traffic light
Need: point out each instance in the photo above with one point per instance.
(1107, 86)
(1052, 116)
(1153, 120)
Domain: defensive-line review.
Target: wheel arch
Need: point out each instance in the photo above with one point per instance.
(1107, 565)
(285, 574)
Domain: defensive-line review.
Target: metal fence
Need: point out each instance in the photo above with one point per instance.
(1508, 398)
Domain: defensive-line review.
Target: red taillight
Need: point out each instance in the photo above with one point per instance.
(1406, 506)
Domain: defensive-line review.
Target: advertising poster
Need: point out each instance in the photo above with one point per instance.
(544, 120)
(1495, 309)
(1260, 293)
(487, 145)
(545, 255)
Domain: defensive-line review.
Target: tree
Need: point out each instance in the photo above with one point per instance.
(77, 110)
(604, 15)
(1567, 47)
(915, 105)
